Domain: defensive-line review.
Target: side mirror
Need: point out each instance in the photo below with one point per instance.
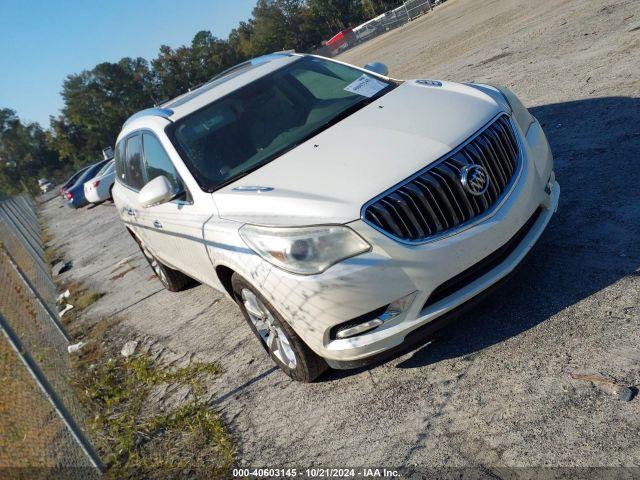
(157, 191)
(377, 67)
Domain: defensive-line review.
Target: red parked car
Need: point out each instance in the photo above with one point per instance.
(341, 41)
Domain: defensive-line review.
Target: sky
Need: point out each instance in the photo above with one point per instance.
(42, 41)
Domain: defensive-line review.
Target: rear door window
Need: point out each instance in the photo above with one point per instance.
(134, 174)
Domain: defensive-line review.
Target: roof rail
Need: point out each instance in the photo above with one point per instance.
(149, 112)
(252, 61)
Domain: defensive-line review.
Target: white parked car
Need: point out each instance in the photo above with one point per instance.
(45, 185)
(99, 188)
(348, 214)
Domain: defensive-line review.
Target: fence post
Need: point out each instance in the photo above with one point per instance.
(404, 4)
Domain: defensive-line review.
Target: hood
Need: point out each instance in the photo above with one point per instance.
(328, 178)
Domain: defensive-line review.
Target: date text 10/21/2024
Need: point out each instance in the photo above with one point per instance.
(315, 472)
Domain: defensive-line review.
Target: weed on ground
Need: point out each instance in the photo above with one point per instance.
(137, 435)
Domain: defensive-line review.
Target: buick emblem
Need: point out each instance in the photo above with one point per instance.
(474, 179)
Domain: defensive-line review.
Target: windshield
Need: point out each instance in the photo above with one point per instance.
(256, 123)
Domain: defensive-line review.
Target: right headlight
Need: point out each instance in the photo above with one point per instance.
(503, 95)
(518, 111)
(304, 250)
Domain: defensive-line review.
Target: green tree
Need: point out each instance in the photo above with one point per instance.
(98, 101)
(240, 40)
(176, 71)
(25, 154)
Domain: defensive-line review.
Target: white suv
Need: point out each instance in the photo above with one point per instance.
(348, 214)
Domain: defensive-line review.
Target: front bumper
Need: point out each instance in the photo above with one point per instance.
(391, 270)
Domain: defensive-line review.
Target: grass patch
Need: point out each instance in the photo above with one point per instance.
(52, 254)
(136, 435)
(81, 296)
(137, 438)
(86, 298)
(45, 235)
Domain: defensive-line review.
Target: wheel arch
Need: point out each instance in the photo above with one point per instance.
(224, 276)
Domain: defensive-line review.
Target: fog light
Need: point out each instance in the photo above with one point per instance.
(358, 329)
(374, 319)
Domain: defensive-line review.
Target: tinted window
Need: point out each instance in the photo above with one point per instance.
(119, 160)
(134, 176)
(158, 162)
(74, 177)
(87, 175)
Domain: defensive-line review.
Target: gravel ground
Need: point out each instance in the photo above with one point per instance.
(494, 391)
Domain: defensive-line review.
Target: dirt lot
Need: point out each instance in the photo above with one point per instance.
(493, 391)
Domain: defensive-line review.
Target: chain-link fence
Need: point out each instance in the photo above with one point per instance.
(351, 37)
(41, 433)
(20, 236)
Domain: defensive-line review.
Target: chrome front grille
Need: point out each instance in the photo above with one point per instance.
(434, 202)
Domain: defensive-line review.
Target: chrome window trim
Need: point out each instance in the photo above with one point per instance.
(472, 222)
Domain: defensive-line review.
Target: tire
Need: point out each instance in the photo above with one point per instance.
(171, 279)
(277, 337)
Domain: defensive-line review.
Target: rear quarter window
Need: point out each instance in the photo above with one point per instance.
(133, 170)
(119, 161)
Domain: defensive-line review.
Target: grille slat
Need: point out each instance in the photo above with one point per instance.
(440, 200)
(491, 165)
(492, 154)
(397, 217)
(423, 203)
(502, 150)
(411, 201)
(451, 198)
(510, 139)
(413, 225)
(434, 201)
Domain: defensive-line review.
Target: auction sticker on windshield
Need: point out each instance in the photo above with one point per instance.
(365, 85)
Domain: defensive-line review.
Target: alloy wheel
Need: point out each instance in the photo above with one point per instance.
(270, 333)
(155, 265)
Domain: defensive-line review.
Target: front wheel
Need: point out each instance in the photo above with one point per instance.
(284, 346)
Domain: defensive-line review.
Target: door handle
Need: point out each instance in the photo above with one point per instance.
(157, 224)
(131, 212)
